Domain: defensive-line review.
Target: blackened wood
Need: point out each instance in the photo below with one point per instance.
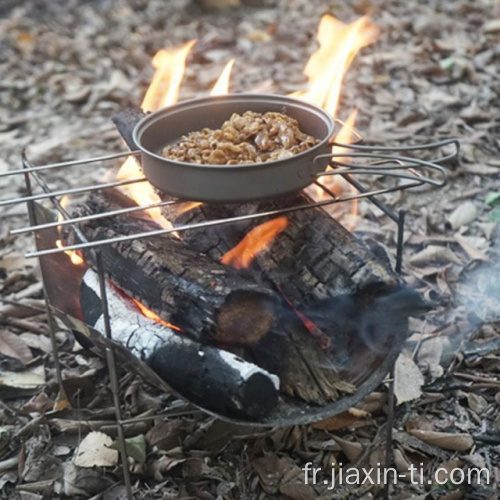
(184, 287)
(314, 258)
(215, 380)
(125, 121)
(210, 301)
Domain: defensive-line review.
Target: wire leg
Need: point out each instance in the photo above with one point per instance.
(400, 240)
(113, 375)
(52, 322)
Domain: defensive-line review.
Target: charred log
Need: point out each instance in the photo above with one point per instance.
(214, 379)
(208, 301)
(184, 287)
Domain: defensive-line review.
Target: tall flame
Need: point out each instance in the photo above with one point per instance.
(164, 88)
(221, 87)
(163, 91)
(338, 45)
(258, 239)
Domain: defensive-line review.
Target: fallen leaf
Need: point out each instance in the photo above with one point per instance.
(433, 253)
(477, 403)
(408, 380)
(341, 421)
(167, 435)
(29, 379)
(492, 26)
(39, 403)
(136, 448)
(470, 249)
(463, 215)
(445, 440)
(163, 465)
(352, 449)
(12, 345)
(95, 450)
(493, 199)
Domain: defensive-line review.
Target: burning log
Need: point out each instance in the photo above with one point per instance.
(214, 379)
(313, 262)
(184, 287)
(315, 257)
(208, 301)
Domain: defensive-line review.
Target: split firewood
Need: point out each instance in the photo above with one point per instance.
(208, 301)
(212, 378)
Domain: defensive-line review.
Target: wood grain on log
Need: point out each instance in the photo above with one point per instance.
(208, 300)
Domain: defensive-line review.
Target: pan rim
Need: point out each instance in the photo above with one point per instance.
(150, 119)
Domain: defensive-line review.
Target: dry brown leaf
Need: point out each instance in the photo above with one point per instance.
(352, 450)
(163, 465)
(341, 421)
(463, 215)
(94, 451)
(12, 345)
(408, 379)
(477, 403)
(39, 403)
(470, 249)
(445, 440)
(433, 253)
(429, 356)
(167, 435)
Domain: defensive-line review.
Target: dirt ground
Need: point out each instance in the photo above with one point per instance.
(66, 67)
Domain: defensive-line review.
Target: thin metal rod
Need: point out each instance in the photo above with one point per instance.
(84, 218)
(51, 320)
(51, 166)
(57, 205)
(400, 240)
(388, 169)
(418, 147)
(113, 375)
(382, 206)
(56, 194)
(199, 225)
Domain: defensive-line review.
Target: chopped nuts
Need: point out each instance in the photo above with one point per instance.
(243, 139)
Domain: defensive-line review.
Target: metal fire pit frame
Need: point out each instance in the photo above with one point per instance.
(383, 163)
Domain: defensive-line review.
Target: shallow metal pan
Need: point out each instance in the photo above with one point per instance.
(230, 183)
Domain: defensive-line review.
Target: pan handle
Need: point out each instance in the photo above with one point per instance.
(385, 161)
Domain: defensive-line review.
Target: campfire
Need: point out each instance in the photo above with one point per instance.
(258, 308)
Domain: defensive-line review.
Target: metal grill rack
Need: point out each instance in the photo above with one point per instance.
(355, 162)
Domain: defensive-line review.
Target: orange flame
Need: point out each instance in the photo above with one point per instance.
(164, 88)
(221, 87)
(163, 91)
(338, 45)
(75, 257)
(258, 239)
(153, 316)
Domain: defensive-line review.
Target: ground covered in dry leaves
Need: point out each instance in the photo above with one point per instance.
(66, 67)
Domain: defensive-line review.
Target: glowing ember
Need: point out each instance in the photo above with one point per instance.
(257, 240)
(153, 316)
(221, 87)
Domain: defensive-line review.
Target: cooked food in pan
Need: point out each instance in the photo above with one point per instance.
(243, 139)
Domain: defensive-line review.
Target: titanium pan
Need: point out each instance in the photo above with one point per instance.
(230, 183)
